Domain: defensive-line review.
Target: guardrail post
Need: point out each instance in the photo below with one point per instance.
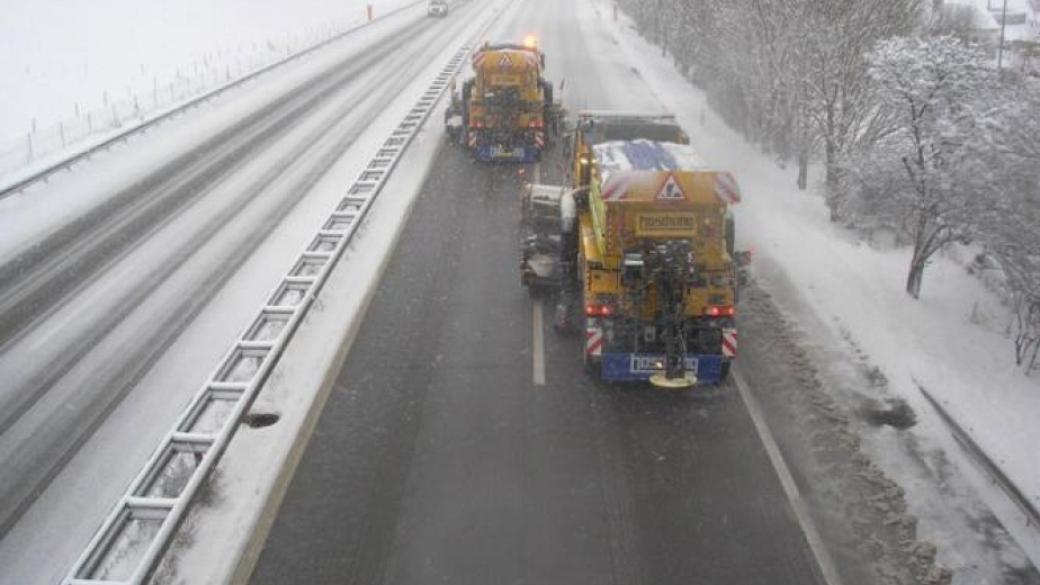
(369, 10)
(29, 146)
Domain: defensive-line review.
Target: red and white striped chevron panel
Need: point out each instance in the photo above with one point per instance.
(729, 343)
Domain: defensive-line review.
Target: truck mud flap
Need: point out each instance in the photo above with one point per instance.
(638, 367)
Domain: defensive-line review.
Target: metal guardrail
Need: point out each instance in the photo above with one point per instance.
(130, 543)
(987, 464)
(51, 169)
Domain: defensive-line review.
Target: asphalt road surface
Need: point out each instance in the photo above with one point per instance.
(449, 452)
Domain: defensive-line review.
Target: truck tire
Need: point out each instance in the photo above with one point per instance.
(731, 235)
(591, 367)
(724, 373)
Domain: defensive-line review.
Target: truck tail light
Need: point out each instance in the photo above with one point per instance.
(598, 310)
(720, 311)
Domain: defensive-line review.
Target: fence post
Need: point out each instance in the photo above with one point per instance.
(369, 11)
(61, 131)
(29, 145)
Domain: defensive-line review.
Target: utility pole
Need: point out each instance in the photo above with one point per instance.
(1000, 49)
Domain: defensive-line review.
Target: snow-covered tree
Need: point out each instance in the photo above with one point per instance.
(930, 86)
(1007, 165)
(839, 97)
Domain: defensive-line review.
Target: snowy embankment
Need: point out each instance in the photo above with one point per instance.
(951, 343)
(90, 72)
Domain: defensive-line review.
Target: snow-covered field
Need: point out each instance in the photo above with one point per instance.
(73, 70)
(951, 342)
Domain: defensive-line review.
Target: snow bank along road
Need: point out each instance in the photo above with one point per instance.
(132, 247)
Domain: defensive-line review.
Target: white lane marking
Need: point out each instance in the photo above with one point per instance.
(801, 511)
(538, 346)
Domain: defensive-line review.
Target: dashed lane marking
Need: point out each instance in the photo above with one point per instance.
(538, 346)
(537, 320)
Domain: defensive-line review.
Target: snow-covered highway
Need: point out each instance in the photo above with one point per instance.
(93, 301)
(425, 423)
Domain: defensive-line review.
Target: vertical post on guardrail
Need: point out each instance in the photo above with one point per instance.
(29, 146)
(61, 132)
(369, 11)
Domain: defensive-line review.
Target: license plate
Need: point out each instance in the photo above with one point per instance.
(642, 364)
(502, 152)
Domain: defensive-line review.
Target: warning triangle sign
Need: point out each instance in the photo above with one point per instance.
(504, 61)
(671, 191)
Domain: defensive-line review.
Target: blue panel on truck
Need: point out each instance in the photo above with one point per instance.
(638, 367)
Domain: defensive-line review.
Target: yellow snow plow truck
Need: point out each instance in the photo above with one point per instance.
(642, 243)
(505, 112)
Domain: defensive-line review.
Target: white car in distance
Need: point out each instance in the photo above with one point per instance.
(437, 7)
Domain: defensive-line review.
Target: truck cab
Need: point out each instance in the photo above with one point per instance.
(598, 126)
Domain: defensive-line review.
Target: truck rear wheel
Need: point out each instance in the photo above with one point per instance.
(591, 366)
(724, 372)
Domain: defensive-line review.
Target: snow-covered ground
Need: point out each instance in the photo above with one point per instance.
(1021, 20)
(951, 342)
(70, 69)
